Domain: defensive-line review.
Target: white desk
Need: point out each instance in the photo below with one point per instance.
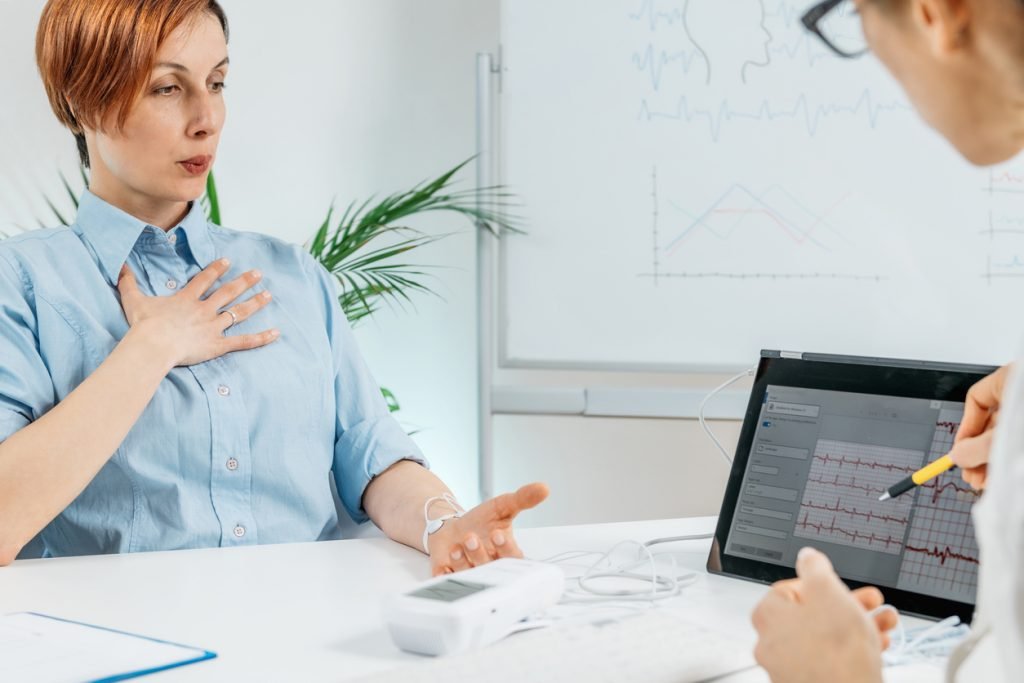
(310, 611)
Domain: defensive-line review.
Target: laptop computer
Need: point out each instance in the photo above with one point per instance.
(823, 437)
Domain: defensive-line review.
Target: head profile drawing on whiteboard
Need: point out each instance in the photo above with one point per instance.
(731, 38)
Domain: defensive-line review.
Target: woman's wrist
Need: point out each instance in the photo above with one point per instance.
(154, 344)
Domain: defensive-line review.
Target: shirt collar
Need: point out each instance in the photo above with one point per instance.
(112, 233)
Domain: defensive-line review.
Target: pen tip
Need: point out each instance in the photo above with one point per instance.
(884, 496)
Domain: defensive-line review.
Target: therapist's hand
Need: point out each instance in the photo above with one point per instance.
(973, 440)
(813, 628)
(482, 534)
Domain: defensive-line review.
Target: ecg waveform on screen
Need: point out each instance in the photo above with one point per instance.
(869, 515)
(834, 532)
(937, 487)
(941, 552)
(809, 116)
(849, 483)
(840, 501)
(857, 462)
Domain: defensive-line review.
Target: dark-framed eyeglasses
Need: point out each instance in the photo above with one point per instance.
(838, 25)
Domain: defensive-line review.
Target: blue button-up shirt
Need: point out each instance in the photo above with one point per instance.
(236, 450)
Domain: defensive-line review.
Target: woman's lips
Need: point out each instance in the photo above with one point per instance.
(196, 165)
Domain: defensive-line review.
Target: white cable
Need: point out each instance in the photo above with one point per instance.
(700, 412)
(583, 589)
(927, 642)
(676, 539)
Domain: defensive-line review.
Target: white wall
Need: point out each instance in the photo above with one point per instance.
(349, 98)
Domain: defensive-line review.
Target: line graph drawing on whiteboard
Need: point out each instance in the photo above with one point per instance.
(1003, 224)
(801, 111)
(1004, 268)
(726, 239)
(1006, 181)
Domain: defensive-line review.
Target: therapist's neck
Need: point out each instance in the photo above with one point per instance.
(158, 212)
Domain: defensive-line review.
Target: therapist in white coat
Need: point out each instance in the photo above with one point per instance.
(962, 64)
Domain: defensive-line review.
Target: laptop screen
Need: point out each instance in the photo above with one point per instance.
(814, 457)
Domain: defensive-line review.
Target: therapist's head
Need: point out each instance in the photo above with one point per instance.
(139, 84)
(960, 61)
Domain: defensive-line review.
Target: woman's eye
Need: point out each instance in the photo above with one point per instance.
(166, 90)
(219, 86)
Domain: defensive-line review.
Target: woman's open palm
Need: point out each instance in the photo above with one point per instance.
(484, 533)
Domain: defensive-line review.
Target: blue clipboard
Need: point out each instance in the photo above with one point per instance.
(200, 656)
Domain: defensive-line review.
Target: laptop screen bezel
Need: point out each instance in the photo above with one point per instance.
(862, 375)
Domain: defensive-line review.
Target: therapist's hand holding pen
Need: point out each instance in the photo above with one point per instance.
(973, 440)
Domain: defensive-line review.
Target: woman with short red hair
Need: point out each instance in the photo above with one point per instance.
(169, 383)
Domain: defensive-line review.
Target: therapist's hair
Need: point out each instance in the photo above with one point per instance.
(95, 56)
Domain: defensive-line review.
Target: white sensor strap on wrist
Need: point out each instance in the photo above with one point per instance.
(432, 526)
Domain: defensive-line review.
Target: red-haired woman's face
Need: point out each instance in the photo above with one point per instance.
(177, 118)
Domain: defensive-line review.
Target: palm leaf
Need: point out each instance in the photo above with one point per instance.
(370, 275)
(211, 201)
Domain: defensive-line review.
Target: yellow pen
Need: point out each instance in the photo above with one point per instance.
(926, 473)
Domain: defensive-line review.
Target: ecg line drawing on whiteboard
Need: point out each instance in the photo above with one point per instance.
(811, 116)
(788, 13)
(655, 62)
(649, 12)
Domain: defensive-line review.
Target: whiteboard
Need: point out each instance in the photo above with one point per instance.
(702, 179)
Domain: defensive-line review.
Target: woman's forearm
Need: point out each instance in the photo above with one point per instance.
(394, 501)
(47, 464)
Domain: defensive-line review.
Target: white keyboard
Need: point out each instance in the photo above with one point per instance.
(653, 647)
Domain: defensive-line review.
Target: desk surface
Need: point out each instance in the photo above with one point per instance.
(311, 611)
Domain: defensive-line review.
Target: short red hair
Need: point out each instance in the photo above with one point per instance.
(95, 56)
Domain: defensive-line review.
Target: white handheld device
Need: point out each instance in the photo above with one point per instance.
(460, 612)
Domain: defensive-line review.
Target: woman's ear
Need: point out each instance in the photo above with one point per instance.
(945, 24)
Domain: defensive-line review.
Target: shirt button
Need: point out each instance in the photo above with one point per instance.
(239, 531)
(173, 239)
(171, 284)
(223, 390)
(232, 464)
